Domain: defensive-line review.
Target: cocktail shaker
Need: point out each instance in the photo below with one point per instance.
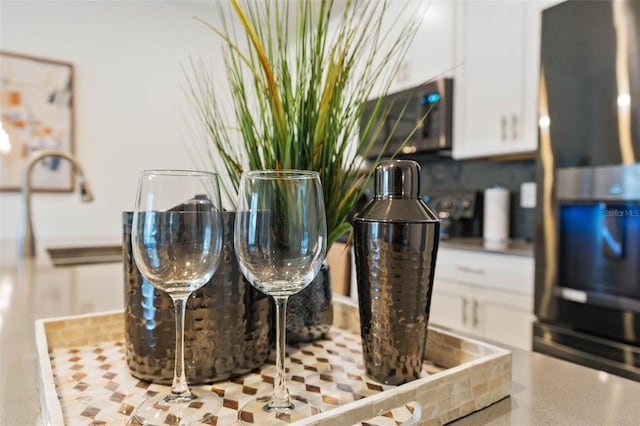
(396, 241)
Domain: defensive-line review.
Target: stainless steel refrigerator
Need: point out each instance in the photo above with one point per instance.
(587, 239)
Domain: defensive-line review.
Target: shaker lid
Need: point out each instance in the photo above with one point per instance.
(397, 179)
(397, 187)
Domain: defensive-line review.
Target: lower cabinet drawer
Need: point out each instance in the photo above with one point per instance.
(493, 270)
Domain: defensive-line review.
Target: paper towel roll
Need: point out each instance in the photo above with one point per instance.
(496, 214)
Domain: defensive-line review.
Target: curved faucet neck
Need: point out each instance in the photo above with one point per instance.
(26, 240)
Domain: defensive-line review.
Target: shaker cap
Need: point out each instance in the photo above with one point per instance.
(397, 179)
(397, 185)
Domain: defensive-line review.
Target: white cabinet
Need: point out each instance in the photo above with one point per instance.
(504, 318)
(496, 79)
(507, 317)
(432, 53)
(450, 306)
(486, 294)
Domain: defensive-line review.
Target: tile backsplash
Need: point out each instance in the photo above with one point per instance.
(446, 174)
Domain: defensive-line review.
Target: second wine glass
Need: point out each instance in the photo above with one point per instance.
(280, 240)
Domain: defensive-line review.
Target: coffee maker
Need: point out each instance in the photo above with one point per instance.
(460, 212)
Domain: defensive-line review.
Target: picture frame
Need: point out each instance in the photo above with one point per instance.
(37, 113)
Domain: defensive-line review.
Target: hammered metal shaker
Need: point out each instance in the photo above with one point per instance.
(396, 241)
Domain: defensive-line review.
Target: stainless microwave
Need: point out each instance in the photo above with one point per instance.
(415, 120)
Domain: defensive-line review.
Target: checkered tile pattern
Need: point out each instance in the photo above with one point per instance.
(95, 387)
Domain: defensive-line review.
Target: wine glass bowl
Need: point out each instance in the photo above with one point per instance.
(175, 258)
(176, 242)
(280, 279)
(280, 241)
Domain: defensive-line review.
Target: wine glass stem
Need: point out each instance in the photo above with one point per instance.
(179, 385)
(280, 397)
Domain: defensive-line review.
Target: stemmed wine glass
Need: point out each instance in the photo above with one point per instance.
(280, 240)
(177, 241)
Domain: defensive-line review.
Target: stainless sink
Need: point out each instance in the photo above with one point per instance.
(71, 256)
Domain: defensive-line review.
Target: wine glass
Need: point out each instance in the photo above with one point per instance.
(177, 241)
(280, 240)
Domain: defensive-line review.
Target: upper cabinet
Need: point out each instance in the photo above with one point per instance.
(496, 78)
(432, 53)
(492, 50)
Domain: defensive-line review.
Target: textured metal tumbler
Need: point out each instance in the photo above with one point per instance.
(396, 241)
(226, 327)
(310, 312)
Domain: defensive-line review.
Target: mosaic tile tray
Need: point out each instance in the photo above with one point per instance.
(85, 380)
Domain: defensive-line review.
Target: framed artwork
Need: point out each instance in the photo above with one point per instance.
(36, 111)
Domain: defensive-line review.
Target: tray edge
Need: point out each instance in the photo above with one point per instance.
(50, 406)
(368, 407)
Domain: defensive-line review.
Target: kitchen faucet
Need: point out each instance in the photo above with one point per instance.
(26, 242)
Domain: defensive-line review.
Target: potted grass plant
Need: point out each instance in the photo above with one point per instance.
(298, 76)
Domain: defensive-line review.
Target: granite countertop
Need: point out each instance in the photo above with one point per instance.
(515, 247)
(31, 289)
(549, 391)
(544, 390)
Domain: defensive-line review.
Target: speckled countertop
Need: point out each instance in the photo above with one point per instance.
(31, 289)
(517, 247)
(545, 391)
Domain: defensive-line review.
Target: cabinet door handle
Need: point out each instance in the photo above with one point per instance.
(475, 313)
(514, 126)
(471, 270)
(503, 128)
(464, 310)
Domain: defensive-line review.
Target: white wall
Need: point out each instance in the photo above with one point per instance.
(129, 101)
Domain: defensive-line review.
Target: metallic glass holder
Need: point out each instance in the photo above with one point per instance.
(226, 327)
(310, 312)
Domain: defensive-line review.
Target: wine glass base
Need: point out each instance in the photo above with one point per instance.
(258, 412)
(169, 409)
